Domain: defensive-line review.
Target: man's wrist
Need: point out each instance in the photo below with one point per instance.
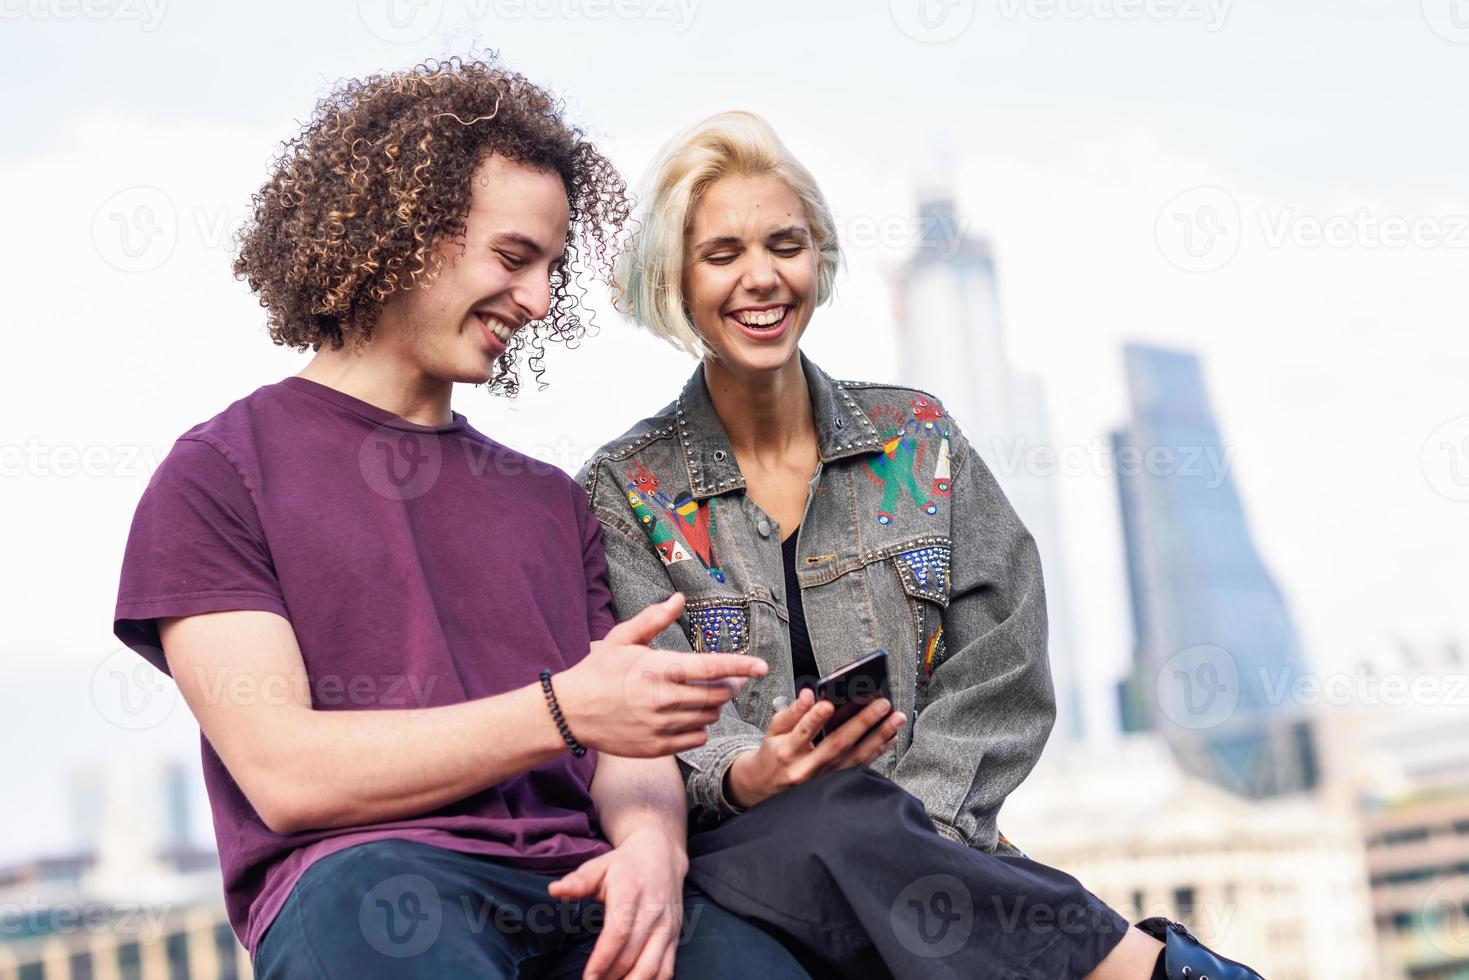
(661, 839)
(545, 733)
(548, 689)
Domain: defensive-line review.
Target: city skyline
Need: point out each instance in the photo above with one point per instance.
(1338, 368)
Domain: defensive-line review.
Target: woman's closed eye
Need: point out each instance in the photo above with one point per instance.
(783, 251)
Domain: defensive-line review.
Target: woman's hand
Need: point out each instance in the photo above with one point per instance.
(786, 756)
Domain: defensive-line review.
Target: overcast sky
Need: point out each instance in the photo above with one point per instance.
(1311, 155)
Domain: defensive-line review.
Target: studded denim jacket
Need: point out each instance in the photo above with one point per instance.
(907, 544)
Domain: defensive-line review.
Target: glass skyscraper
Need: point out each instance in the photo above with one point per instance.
(951, 342)
(1217, 657)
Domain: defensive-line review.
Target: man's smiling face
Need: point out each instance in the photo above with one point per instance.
(493, 281)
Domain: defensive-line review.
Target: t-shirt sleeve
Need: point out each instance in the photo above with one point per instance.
(600, 618)
(196, 546)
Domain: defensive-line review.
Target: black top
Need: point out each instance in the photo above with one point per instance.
(802, 659)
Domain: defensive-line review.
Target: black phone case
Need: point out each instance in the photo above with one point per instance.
(852, 687)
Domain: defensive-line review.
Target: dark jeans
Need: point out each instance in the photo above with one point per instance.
(406, 909)
(851, 870)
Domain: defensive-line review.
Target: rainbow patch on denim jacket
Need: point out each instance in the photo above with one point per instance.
(933, 652)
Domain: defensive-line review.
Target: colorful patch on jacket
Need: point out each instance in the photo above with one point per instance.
(718, 629)
(665, 544)
(927, 414)
(933, 652)
(925, 572)
(899, 467)
(695, 521)
(942, 478)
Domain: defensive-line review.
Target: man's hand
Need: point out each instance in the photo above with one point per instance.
(786, 756)
(630, 700)
(640, 884)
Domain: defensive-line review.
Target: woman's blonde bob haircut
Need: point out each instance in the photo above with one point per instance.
(648, 276)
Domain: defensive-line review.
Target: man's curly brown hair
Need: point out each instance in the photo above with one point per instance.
(359, 201)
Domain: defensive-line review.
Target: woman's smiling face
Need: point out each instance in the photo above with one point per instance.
(750, 272)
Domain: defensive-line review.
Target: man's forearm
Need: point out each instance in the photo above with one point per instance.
(348, 768)
(341, 769)
(640, 794)
(308, 769)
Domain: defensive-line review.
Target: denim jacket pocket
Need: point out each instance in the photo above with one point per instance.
(923, 571)
(718, 624)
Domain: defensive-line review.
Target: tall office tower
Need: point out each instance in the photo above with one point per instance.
(178, 799)
(1217, 657)
(952, 343)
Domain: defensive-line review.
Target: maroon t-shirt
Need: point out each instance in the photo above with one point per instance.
(418, 566)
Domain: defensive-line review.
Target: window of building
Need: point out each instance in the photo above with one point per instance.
(178, 956)
(1183, 902)
(224, 947)
(129, 962)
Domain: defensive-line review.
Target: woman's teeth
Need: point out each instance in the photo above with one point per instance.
(762, 318)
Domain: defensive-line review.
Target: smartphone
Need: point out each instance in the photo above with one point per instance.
(852, 687)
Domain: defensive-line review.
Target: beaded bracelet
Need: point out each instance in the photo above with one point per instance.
(577, 749)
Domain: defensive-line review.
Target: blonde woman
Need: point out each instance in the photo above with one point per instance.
(810, 521)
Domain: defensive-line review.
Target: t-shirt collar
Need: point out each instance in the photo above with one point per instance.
(368, 411)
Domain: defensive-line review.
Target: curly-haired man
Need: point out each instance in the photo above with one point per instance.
(429, 749)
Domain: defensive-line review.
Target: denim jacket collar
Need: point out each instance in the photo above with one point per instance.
(842, 429)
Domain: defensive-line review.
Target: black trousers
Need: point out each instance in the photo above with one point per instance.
(851, 872)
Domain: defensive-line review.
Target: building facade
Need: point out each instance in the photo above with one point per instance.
(952, 343)
(1217, 659)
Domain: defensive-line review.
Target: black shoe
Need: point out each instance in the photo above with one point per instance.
(1185, 958)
